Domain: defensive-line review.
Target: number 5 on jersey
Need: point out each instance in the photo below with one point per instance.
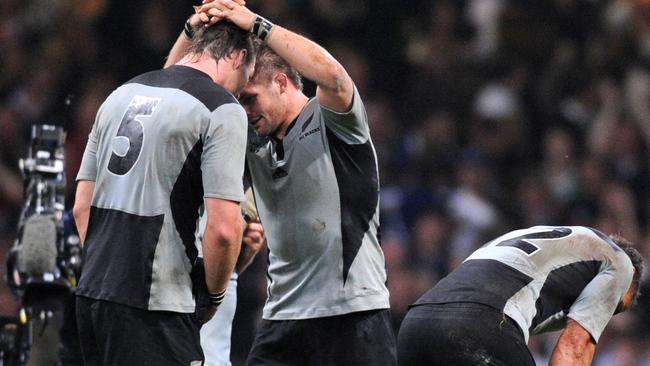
(127, 143)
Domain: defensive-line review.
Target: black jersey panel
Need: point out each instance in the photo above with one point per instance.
(192, 81)
(521, 243)
(606, 239)
(562, 287)
(356, 175)
(185, 199)
(118, 256)
(483, 281)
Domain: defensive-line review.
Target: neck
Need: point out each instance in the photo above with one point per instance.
(296, 102)
(215, 69)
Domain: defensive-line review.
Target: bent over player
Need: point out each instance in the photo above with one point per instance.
(163, 145)
(525, 282)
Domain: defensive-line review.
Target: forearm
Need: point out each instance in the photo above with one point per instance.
(81, 209)
(309, 59)
(184, 40)
(565, 356)
(179, 50)
(220, 251)
(81, 217)
(575, 347)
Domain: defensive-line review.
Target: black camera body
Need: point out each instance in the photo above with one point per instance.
(44, 262)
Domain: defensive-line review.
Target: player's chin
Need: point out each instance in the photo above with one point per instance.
(260, 129)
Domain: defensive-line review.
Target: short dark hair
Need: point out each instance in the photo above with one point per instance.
(221, 40)
(635, 257)
(268, 62)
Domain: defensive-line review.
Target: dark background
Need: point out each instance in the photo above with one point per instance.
(487, 115)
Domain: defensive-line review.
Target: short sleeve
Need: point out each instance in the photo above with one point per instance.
(222, 161)
(351, 126)
(595, 306)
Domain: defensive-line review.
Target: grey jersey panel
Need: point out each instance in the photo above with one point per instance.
(182, 138)
(299, 202)
(596, 300)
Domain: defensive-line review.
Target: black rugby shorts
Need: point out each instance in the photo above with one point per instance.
(355, 339)
(114, 334)
(460, 334)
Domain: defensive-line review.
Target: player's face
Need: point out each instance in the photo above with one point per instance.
(244, 76)
(264, 106)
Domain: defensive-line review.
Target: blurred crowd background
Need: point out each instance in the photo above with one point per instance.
(487, 115)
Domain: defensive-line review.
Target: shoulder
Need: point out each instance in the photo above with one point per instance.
(210, 94)
(189, 80)
(600, 245)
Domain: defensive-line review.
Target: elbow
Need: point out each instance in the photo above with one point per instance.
(338, 79)
(333, 75)
(228, 234)
(79, 211)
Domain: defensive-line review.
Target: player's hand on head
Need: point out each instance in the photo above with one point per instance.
(196, 20)
(240, 2)
(202, 17)
(232, 10)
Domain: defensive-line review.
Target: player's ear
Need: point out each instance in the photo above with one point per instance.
(282, 80)
(239, 59)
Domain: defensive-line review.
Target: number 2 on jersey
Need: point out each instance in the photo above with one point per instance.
(521, 242)
(127, 143)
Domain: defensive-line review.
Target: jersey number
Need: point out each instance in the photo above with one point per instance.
(127, 143)
(521, 242)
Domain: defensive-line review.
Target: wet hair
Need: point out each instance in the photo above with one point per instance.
(635, 257)
(268, 63)
(221, 40)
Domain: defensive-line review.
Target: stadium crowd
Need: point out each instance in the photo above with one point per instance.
(487, 115)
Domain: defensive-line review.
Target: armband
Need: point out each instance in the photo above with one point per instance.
(217, 299)
(262, 28)
(188, 30)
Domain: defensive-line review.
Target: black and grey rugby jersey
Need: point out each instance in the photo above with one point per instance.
(160, 144)
(541, 276)
(317, 193)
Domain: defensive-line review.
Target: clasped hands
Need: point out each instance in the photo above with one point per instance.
(212, 11)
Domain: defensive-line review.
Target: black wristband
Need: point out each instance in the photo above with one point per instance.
(262, 28)
(217, 299)
(188, 30)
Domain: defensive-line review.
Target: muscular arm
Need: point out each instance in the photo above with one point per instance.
(179, 50)
(81, 210)
(335, 88)
(182, 44)
(221, 242)
(575, 347)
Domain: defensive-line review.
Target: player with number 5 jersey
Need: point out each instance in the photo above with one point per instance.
(165, 145)
(524, 283)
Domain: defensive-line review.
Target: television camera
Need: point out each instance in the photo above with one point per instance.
(45, 260)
